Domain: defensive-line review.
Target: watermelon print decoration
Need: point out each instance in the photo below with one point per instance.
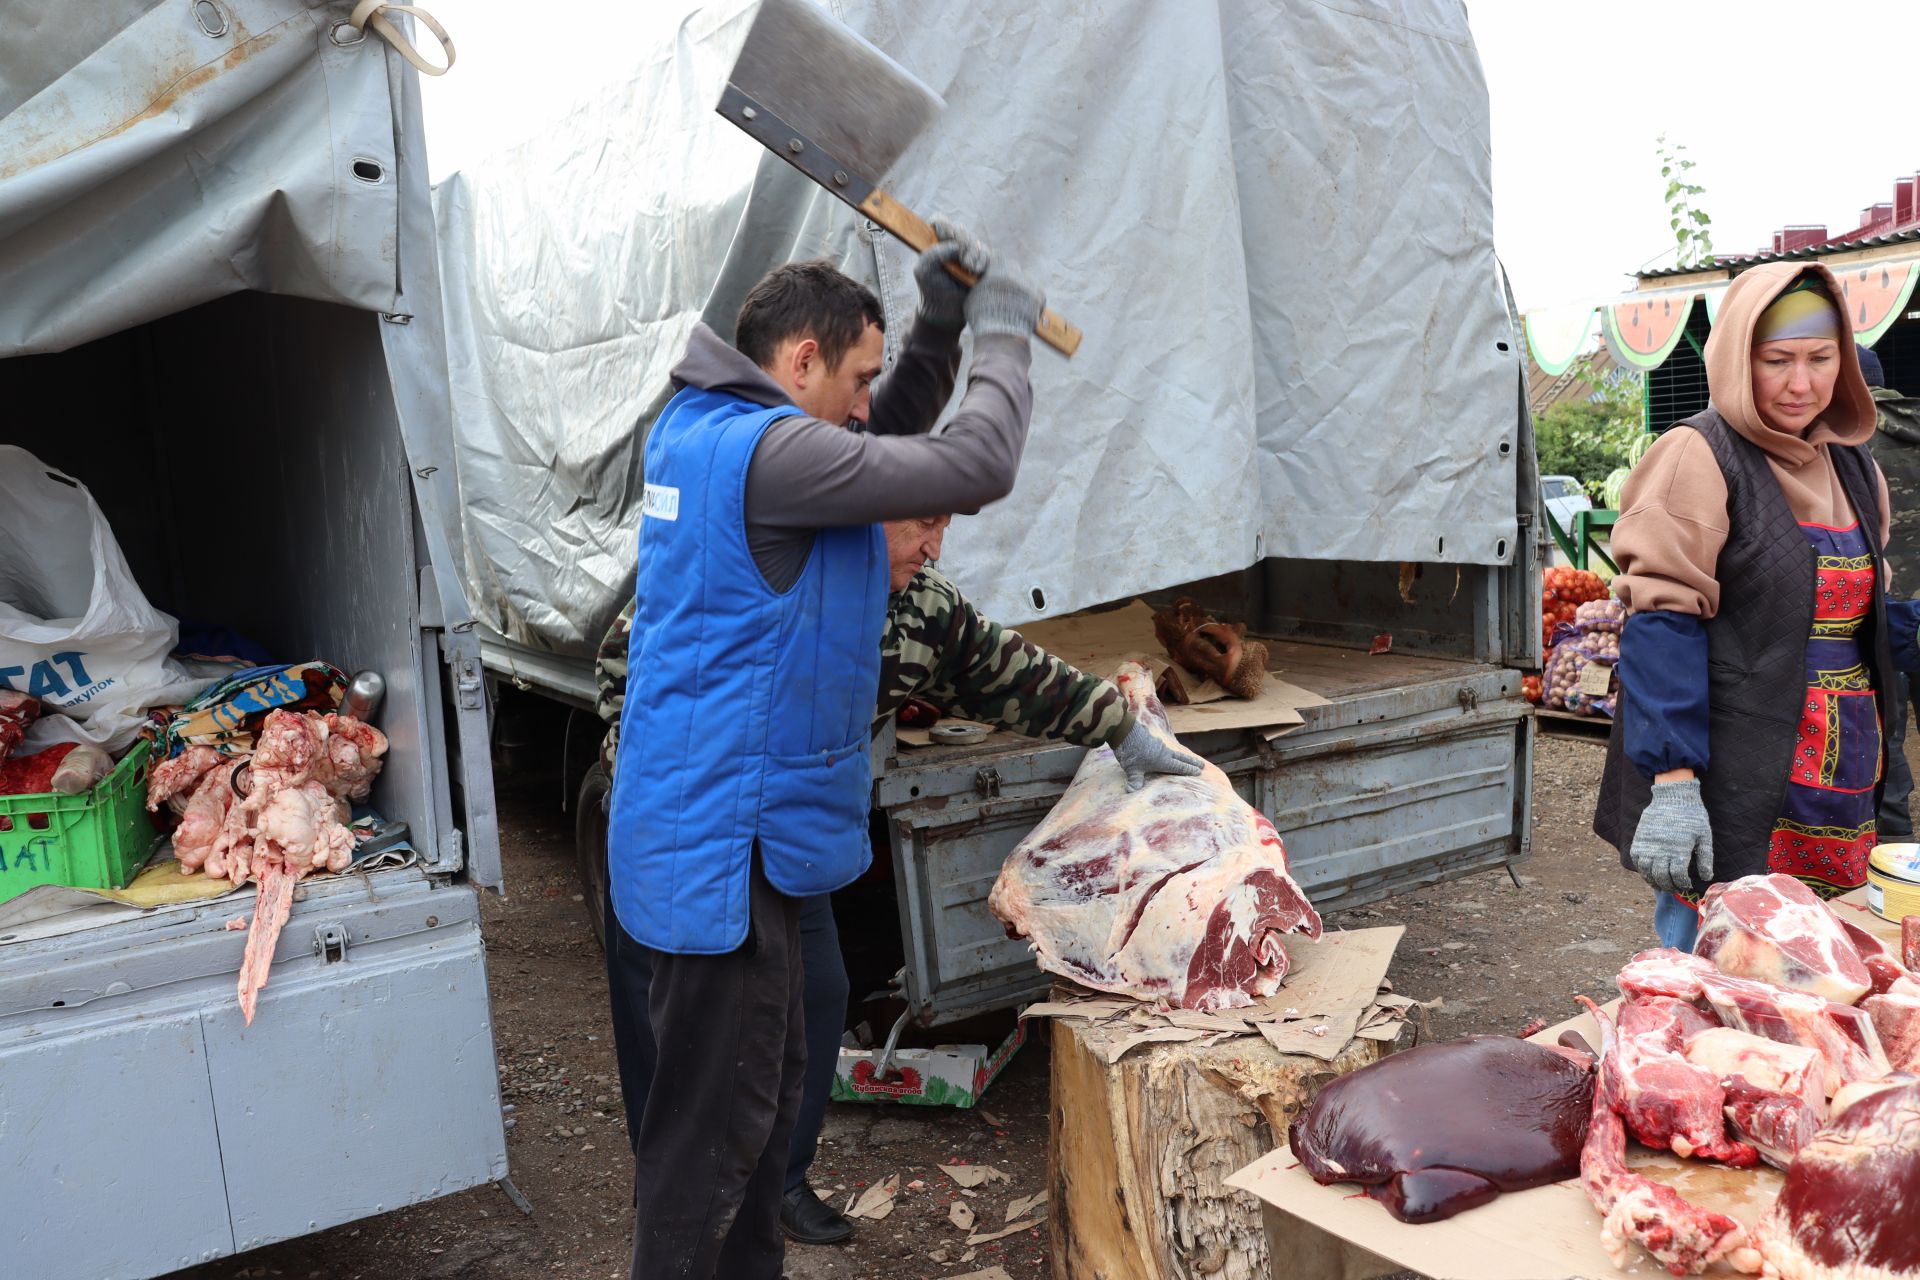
(1876, 293)
(1644, 329)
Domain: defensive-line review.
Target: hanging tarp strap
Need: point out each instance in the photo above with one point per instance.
(371, 13)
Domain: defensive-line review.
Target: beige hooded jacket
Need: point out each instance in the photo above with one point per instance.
(1673, 520)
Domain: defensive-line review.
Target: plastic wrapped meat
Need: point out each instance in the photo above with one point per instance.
(1851, 1207)
(1772, 929)
(1442, 1128)
(1177, 892)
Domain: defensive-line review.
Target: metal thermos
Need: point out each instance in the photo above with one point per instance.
(364, 692)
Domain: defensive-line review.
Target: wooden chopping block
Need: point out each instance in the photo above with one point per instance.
(1140, 1151)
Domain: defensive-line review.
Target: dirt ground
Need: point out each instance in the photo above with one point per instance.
(1497, 953)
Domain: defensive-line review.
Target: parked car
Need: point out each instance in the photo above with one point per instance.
(1563, 496)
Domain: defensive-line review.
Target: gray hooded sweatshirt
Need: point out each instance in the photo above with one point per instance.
(808, 474)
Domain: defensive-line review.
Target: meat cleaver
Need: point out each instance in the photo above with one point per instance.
(829, 103)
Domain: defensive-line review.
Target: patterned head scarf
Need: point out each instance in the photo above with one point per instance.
(1803, 311)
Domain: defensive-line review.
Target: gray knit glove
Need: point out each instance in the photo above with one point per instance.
(1003, 302)
(1141, 752)
(943, 299)
(1673, 838)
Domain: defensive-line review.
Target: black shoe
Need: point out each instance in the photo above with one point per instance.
(807, 1219)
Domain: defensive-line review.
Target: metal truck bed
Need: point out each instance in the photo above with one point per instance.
(128, 1075)
(1412, 772)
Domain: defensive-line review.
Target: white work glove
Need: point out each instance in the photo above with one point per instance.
(943, 300)
(1141, 752)
(1673, 838)
(1003, 301)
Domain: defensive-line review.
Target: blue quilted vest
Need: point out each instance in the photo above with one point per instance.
(747, 711)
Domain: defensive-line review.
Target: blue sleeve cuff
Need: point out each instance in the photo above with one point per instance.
(1663, 669)
(1903, 620)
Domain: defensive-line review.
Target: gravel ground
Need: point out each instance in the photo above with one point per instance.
(1498, 955)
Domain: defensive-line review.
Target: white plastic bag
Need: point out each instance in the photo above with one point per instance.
(75, 629)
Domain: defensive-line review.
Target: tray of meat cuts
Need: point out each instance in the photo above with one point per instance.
(1755, 1108)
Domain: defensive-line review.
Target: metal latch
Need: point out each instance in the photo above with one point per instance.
(330, 943)
(1469, 698)
(469, 684)
(986, 782)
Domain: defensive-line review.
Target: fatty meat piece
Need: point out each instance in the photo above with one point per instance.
(1726, 1052)
(180, 775)
(1635, 1210)
(1896, 1020)
(1177, 892)
(1843, 1034)
(1669, 1103)
(1514, 1117)
(1664, 972)
(1884, 970)
(1771, 928)
(1775, 1124)
(1852, 1199)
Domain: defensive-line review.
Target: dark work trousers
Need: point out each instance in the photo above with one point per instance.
(727, 1036)
(1896, 819)
(824, 994)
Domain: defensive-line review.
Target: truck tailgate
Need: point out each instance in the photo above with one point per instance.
(1407, 775)
(125, 1066)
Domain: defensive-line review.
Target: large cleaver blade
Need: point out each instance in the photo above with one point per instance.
(824, 99)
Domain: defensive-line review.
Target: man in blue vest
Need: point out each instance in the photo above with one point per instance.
(752, 671)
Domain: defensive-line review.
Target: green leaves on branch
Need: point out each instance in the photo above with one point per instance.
(1692, 240)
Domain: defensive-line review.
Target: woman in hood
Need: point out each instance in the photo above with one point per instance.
(1748, 735)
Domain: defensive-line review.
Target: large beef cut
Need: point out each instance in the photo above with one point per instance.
(1177, 892)
(1439, 1129)
(1667, 1101)
(1843, 1034)
(1634, 1209)
(1772, 929)
(1851, 1205)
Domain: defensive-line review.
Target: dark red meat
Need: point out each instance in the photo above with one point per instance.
(33, 775)
(1852, 1198)
(17, 711)
(1442, 1128)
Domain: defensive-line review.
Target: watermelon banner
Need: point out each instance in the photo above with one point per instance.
(1643, 328)
(1876, 295)
(1557, 335)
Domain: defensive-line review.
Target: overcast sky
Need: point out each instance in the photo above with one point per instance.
(1794, 113)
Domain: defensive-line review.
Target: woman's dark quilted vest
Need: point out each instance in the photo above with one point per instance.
(1756, 656)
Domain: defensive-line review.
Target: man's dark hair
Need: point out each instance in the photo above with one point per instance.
(806, 300)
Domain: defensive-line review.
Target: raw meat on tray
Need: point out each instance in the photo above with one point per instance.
(1177, 892)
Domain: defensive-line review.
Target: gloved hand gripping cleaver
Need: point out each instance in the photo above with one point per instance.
(829, 103)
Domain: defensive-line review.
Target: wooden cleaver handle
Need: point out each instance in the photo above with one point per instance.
(907, 226)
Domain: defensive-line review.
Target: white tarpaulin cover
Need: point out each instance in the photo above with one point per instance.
(154, 156)
(1273, 222)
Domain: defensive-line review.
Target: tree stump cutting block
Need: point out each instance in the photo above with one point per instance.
(1141, 1150)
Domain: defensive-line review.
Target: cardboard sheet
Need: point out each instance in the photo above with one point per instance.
(1100, 642)
(1331, 992)
(1550, 1231)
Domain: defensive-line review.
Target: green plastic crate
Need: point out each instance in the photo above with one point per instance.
(99, 840)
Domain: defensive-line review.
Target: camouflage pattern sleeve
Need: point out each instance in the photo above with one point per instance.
(610, 676)
(938, 647)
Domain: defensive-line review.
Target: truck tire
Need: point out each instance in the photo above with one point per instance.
(590, 845)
